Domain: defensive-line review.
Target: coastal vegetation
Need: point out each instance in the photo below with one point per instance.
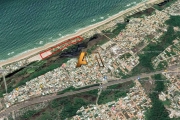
(116, 31)
(74, 50)
(164, 4)
(95, 41)
(141, 14)
(21, 77)
(96, 45)
(43, 71)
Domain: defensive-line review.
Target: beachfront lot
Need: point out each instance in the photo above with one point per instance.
(68, 75)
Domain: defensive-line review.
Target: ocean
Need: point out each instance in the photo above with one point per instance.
(28, 24)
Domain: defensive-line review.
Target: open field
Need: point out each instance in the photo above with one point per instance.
(114, 92)
(62, 108)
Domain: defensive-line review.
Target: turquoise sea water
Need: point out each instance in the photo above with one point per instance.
(28, 24)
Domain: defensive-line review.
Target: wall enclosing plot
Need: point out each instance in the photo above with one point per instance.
(59, 47)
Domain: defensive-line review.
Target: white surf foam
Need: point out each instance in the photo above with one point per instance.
(101, 17)
(130, 4)
(40, 42)
(10, 53)
(93, 20)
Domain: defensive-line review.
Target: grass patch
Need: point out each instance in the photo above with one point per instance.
(70, 89)
(69, 110)
(167, 102)
(164, 5)
(116, 31)
(67, 107)
(119, 73)
(29, 114)
(162, 65)
(159, 84)
(125, 56)
(31, 70)
(99, 43)
(36, 74)
(143, 80)
(143, 13)
(42, 71)
(114, 92)
(157, 111)
(102, 42)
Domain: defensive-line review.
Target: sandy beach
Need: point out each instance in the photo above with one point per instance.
(80, 32)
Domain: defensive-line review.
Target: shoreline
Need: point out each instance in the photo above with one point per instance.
(79, 32)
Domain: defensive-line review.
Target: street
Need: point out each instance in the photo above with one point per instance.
(32, 101)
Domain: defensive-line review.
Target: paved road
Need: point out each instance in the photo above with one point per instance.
(18, 106)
